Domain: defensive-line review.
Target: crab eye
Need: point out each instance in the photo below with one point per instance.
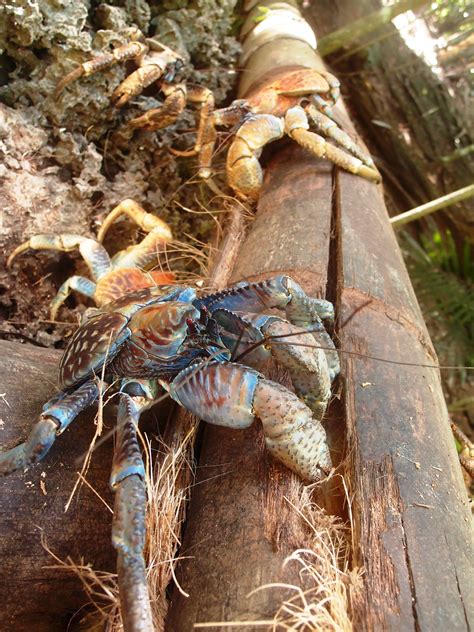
(192, 328)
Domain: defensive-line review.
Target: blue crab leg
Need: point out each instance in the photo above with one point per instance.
(57, 414)
(279, 291)
(282, 292)
(233, 395)
(330, 128)
(129, 529)
(93, 253)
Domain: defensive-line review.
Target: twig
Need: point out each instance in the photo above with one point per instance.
(434, 205)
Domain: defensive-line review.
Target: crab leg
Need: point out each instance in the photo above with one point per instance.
(282, 292)
(57, 414)
(288, 344)
(334, 93)
(147, 221)
(207, 134)
(173, 105)
(330, 128)
(243, 168)
(129, 528)
(233, 395)
(93, 253)
(297, 127)
(143, 253)
(132, 50)
(73, 284)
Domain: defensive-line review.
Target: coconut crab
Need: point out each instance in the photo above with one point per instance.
(111, 277)
(173, 338)
(290, 104)
(156, 63)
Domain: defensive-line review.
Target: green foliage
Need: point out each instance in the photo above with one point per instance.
(453, 15)
(443, 277)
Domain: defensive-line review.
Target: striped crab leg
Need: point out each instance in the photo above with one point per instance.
(232, 395)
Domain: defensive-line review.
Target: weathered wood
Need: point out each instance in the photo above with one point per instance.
(240, 524)
(33, 596)
(409, 503)
(410, 510)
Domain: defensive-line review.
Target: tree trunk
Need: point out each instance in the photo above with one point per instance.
(36, 596)
(409, 119)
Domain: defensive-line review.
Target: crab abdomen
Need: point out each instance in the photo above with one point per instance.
(94, 344)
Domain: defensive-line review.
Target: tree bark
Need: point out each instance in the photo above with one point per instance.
(411, 514)
(348, 35)
(407, 115)
(332, 234)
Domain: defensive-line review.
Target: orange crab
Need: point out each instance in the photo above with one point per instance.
(112, 277)
(156, 64)
(290, 104)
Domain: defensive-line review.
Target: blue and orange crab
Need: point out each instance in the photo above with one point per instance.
(174, 339)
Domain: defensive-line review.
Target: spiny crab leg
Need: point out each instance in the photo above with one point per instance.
(297, 127)
(290, 345)
(282, 292)
(243, 167)
(136, 82)
(330, 128)
(334, 93)
(168, 113)
(129, 523)
(132, 50)
(308, 366)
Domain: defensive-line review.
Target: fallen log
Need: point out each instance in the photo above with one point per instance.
(411, 514)
(36, 596)
(409, 507)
